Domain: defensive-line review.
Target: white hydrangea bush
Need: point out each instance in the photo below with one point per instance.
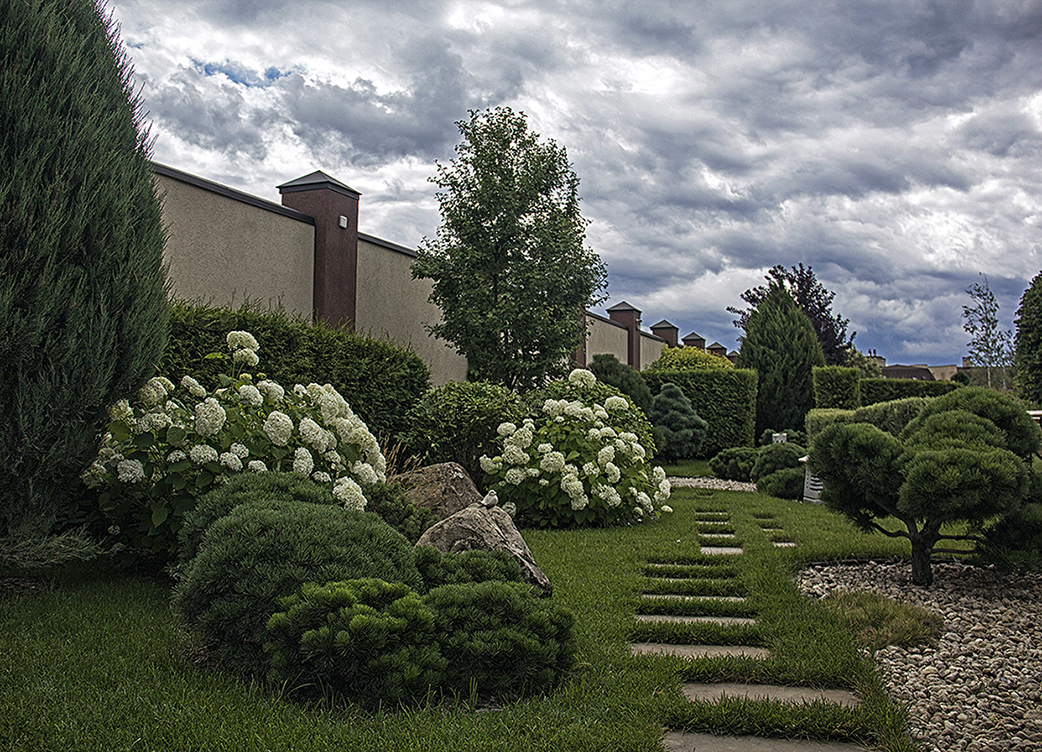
(576, 464)
(173, 443)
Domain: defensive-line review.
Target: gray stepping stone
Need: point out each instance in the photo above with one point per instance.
(682, 741)
(699, 651)
(722, 550)
(785, 544)
(771, 529)
(724, 621)
(714, 692)
(718, 536)
(688, 598)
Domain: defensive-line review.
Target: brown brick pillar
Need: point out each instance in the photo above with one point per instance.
(629, 317)
(335, 209)
(667, 331)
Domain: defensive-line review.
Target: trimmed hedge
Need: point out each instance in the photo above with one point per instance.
(891, 417)
(724, 397)
(837, 387)
(888, 390)
(381, 381)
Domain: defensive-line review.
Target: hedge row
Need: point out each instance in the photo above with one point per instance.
(887, 390)
(724, 397)
(837, 387)
(381, 381)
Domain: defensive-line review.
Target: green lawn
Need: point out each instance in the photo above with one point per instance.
(98, 662)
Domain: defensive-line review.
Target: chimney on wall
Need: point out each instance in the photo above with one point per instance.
(667, 331)
(335, 209)
(694, 340)
(625, 314)
(717, 349)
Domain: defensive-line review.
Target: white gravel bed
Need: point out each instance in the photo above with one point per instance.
(980, 687)
(717, 484)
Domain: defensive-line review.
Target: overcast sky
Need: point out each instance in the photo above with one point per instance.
(892, 145)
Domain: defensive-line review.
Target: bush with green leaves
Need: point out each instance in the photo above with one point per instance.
(1013, 542)
(787, 483)
(774, 457)
(735, 463)
(366, 640)
(501, 639)
(1027, 349)
(457, 422)
(577, 462)
(258, 553)
(677, 428)
(888, 390)
(83, 311)
(949, 465)
(438, 568)
(688, 359)
(171, 444)
(610, 370)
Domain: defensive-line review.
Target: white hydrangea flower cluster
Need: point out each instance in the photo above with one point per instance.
(577, 460)
(175, 441)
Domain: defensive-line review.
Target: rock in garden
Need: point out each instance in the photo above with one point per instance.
(444, 488)
(489, 529)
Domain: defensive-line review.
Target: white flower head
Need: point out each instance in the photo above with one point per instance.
(246, 357)
(581, 377)
(256, 466)
(552, 462)
(365, 472)
(612, 472)
(231, 461)
(346, 490)
(130, 471)
(241, 341)
(514, 476)
(616, 404)
(194, 387)
(200, 454)
(606, 455)
(303, 462)
(320, 477)
(489, 465)
(271, 390)
(239, 450)
(506, 429)
(121, 410)
(513, 455)
(666, 509)
(278, 427)
(251, 395)
(176, 456)
(209, 417)
(545, 448)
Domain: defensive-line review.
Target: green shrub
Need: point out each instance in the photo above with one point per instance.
(888, 390)
(502, 637)
(774, 457)
(255, 555)
(688, 359)
(735, 463)
(955, 429)
(172, 444)
(83, 312)
(438, 568)
(678, 429)
(1013, 542)
(246, 488)
(627, 379)
(820, 417)
(388, 500)
(457, 422)
(724, 398)
(367, 640)
(892, 416)
(837, 387)
(381, 380)
(786, 483)
(577, 463)
(791, 435)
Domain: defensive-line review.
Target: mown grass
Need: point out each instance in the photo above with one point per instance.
(99, 663)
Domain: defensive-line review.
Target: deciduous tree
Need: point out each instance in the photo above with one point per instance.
(990, 346)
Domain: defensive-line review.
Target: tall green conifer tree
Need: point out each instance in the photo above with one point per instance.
(1028, 343)
(83, 313)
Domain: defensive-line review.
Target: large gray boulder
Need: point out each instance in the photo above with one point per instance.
(486, 527)
(444, 488)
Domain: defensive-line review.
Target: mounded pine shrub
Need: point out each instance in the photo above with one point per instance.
(735, 463)
(787, 483)
(83, 312)
(678, 429)
(774, 457)
(438, 568)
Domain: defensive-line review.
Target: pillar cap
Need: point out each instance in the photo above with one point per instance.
(317, 180)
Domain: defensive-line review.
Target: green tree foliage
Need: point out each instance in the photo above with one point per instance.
(510, 272)
(1028, 343)
(815, 300)
(678, 429)
(990, 347)
(688, 359)
(965, 458)
(610, 370)
(83, 313)
(780, 345)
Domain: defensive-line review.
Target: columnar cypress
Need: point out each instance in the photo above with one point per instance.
(83, 313)
(1028, 343)
(781, 346)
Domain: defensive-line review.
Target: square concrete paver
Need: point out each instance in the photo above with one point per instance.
(699, 651)
(725, 621)
(689, 598)
(681, 741)
(718, 691)
(722, 550)
(784, 544)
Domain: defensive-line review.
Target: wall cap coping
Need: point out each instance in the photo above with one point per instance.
(387, 244)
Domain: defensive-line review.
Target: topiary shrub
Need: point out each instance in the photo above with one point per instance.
(688, 359)
(366, 640)
(774, 457)
(678, 429)
(501, 637)
(786, 483)
(457, 422)
(83, 311)
(389, 501)
(576, 463)
(255, 555)
(837, 387)
(610, 370)
(438, 568)
(1013, 542)
(735, 463)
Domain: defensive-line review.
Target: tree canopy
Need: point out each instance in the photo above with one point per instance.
(990, 346)
(510, 270)
(814, 299)
(1028, 350)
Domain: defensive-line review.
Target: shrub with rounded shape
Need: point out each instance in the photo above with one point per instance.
(688, 359)
(792, 436)
(390, 502)
(774, 457)
(1021, 432)
(368, 640)
(677, 424)
(955, 429)
(735, 463)
(503, 637)
(438, 568)
(786, 483)
(457, 422)
(247, 488)
(255, 555)
(627, 379)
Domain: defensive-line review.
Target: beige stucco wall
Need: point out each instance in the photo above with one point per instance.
(605, 337)
(391, 305)
(650, 349)
(223, 251)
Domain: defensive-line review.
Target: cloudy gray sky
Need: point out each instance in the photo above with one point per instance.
(892, 145)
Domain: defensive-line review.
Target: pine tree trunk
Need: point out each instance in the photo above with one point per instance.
(922, 574)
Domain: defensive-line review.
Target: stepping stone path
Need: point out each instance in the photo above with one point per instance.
(675, 741)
